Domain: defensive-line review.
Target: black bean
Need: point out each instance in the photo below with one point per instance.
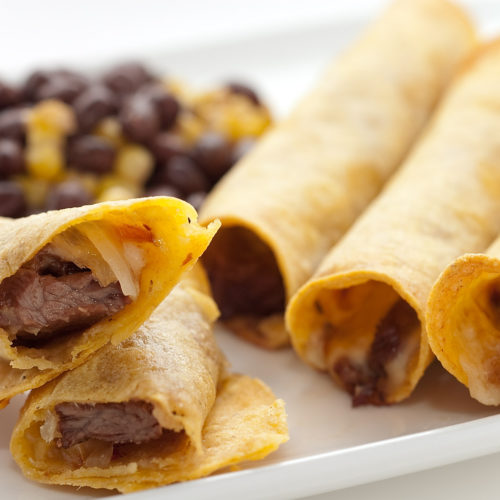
(90, 153)
(183, 173)
(196, 199)
(166, 104)
(213, 153)
(163, 190)
(9, 95)
(63, 85)
(239, 88)
(12, 201)
(66, 195)
(33, 83)
(56, 84)
(399, 322)
(165, 145)
(94, 104)
(241, 148)
(169, 110)
(139, 118)
(11, 158)
(126, 78)
(13, 123)
(33, 211)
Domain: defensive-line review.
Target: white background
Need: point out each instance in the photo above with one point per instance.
(36, 34)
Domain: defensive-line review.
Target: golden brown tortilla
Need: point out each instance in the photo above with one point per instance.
(361, 317)
(463, 322)
(172, 362)
(166, 241)
(286, 203)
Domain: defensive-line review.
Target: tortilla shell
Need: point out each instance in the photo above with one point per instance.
(173, 363)
(310, 177)
(444, 201)
(166, 231)
(462, 322)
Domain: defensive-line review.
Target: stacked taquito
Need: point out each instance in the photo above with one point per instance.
(73, 280)
(287, 202)
(158, 408)
(362, 316)
(463, 321)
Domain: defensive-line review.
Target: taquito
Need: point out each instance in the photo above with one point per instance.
(463, 322)
(73, 280)
(292, 197)
(361, 316)
(157, 408)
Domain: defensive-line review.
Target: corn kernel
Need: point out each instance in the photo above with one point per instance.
(134, 163)
(115, 193)
(246, 123)
(233, 115)
(189, 127)
(208, 98)
(53, 118)
(112, 180)
(180, 90)
(110, 129)
(45, 161)
(35, 190)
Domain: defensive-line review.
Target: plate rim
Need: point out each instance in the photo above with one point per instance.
(352, 466)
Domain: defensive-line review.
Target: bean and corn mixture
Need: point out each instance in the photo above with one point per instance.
(67, 140)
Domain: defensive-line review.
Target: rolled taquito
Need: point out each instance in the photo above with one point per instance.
(463, 322)
(73, 280)
(361, 316)
(292, 197)
(157, 408)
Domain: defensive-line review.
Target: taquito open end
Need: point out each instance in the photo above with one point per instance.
(248, 286)
(463, 318)
(74, 280)
(365, 331)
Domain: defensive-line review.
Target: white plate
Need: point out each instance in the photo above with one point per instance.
(332, 446)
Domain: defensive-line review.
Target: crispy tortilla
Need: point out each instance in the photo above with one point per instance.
(287, 202)
(362, 316)
(172, 362)
(166, 241)
(463, 322)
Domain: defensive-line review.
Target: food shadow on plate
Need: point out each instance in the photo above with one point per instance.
(320, 415)
(442, 391)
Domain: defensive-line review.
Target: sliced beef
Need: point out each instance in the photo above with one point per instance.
(400, 320)
(364, 382)
(45, 262)
(48, 297)
(360, 382)
(130, 422)
(244, 274)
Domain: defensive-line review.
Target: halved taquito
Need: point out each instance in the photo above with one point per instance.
(361, 316)
(287, 202)
(463, 322)
(73, 280)
(157, 408)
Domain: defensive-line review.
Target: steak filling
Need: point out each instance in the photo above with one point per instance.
(244, 275)
(48, 297)
(366, 382)
(118, 423)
